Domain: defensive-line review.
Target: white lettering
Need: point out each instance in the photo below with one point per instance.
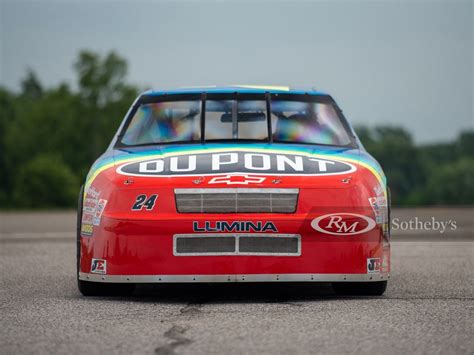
(396, 223)
(217, 161)
(296, 165)
(191, 164)
(322, 164)
(153, 166)
(249, 161)
(341, 226)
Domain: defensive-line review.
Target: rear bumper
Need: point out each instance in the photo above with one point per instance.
(234, 278)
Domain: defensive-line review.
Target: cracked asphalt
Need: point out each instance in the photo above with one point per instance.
(428, 306)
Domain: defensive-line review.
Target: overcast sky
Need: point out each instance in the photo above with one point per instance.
(388, 62)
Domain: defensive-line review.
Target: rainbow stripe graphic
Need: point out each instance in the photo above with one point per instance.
(351, 156)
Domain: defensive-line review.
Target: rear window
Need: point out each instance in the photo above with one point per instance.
(291, 121)
(164, 122)
(307, 122)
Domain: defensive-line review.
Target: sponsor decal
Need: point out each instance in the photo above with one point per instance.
(87, 229)
(87, 218)
(378, 202)
(99, 266)
(343, 223)
(92, 210)
(373, 265)
(379, 206)
(236, 226)
(237, 179)
(379, 190)
(90, 205)
(231, 162)
(98, 212)
(143, 201)
(92, 192)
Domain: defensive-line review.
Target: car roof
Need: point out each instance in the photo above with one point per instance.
(245, 89)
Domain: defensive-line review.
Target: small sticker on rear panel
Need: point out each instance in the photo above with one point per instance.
(99, 266)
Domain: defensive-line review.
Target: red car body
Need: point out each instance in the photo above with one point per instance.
(234, 212)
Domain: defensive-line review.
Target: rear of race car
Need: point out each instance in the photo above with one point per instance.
(266, 214)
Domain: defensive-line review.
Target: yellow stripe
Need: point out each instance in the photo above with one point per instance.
(264, 87)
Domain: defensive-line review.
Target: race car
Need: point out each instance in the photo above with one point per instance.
(234, 184)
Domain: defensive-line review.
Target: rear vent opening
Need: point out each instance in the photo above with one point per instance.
(238, 200)
(237, 244)
(270, 245)
(201, 244)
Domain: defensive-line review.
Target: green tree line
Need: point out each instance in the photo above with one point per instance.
(49, 137)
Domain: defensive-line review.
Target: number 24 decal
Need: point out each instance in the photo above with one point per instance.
(144, 201)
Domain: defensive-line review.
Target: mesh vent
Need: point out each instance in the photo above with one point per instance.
(236, 200)
(269, 245)
(205, 245)
(232, 244)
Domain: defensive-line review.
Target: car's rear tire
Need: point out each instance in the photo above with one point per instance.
(88, 288)
(360, 288)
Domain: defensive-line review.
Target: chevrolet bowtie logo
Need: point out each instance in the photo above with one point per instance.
(237, 180)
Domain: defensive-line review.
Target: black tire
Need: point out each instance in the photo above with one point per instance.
(376, 288)
(88, 288)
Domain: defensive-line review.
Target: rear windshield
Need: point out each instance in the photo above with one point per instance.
(277, 120)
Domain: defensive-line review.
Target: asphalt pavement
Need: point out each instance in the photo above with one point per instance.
(427, 308)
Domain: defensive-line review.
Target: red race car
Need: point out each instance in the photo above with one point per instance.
(234, 184)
